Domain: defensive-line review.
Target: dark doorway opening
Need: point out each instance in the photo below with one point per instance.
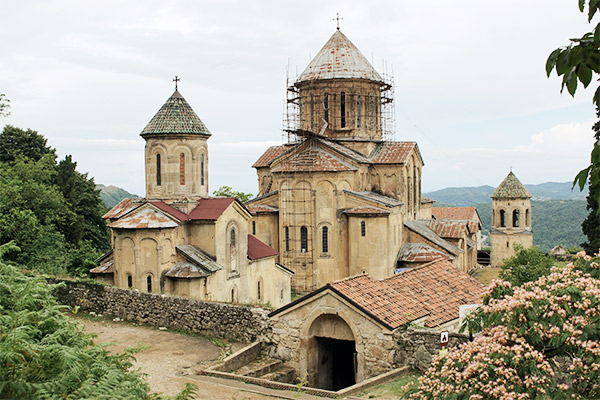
(336, 364)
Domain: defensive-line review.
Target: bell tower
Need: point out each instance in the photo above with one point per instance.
(511, 219)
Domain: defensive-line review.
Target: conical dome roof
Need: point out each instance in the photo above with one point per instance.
(511, 188)
(175, 116)
(339, 59)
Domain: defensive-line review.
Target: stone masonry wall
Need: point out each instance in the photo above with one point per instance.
(230, 321)
(415, 347)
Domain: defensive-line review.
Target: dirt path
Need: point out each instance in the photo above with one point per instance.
(171, 358)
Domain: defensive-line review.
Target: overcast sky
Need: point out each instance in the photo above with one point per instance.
(470, 85)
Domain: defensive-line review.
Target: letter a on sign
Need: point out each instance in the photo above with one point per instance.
(444, 338)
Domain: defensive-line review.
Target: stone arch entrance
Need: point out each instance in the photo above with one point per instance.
(332, 356)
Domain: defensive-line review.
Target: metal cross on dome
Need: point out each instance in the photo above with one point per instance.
(337, 19)
(176, 79)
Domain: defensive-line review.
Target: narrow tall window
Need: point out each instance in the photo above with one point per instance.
(254, 227)
(371, 110)
(158, 170)
(258, 291)
(358, 111)
(287, 238)
(149, 283)
(343, 110)
(232, 251)
(233, 295)
(326, 106)
(363, 228)
(527, 222)
(182, 169)
(325, 239)
(202, 170)
(129, 281)
(312, 112)
(502, 218)
(516, 218)
(303, 239)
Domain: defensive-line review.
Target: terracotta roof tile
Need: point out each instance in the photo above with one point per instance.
(448, 228)
(420, 252)
(170, 210)
(439, 286)
(313, 159)
(420, 227)
(465, 213)
(268, 156)
(258, 249)
(392, 152)
(379, 299)
(210, 209)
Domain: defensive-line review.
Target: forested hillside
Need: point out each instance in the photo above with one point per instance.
(52, 212)
(554, 222)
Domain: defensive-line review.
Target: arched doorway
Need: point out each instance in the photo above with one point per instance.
(332, 357)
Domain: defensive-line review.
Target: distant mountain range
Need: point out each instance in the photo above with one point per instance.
(470, 196)
(112, 195)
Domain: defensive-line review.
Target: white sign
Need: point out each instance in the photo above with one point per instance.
(444, 338)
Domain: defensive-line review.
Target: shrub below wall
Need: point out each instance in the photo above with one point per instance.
(231, 321)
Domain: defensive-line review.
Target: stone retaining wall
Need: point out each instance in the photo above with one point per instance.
(415, 347)
(231, 321)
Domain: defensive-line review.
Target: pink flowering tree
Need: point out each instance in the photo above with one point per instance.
(539, 340)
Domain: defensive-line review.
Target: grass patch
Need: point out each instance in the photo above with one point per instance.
(485, 275)
(396, 388)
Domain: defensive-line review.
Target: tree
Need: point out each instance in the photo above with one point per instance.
(15, 143)
(526, 265)
(580, 62)
(591, 225)
(227, 191)
(4, 106)
(539, 340)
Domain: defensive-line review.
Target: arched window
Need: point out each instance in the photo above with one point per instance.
(129, 281)
(363, 228)
(303, 239)
(358, 111)
(202, 169)
(502, 218)
(527, 222)
(149, 283)
(158, 170)
(287, 238)
(233, 295)
(182, 169)
(259, 294)
(254, 227)
(325, 239)
(343, 109)
(232, 250)
(371, 110)
(516, 218)
(326, 106)
(312, 112)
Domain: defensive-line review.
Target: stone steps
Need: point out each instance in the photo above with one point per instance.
(282, 374)
(260, 367)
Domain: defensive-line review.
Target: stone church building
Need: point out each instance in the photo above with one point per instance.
(177, 239)
(340, 197)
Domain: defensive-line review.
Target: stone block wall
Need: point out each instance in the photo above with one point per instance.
(416, 347)
(231, 321)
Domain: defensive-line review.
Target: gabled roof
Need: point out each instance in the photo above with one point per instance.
(125, 206)
(346, 151)
(339, 59)
(393, 152)
(420, 252)
(420, 227)
(264, 196)
(511, 188)
(268, 156)
(210, 209)
(146, 217)
(199, 258)
(175, 117)
(186, 270)
(313, 159)
(258, 249)
(105, 268)
(366, 211)
(172, 211)
(376, 197)
(466, 213)
(262, 209)
(439, 286)
(448, 228)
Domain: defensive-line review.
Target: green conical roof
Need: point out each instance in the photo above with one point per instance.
(511, 188)
(175, 116)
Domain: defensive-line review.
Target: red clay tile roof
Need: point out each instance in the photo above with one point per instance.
(439, 286)
(455, 213)
(420, 252)
(447, 228)
(161, 205)
(262, 208)
(272, 153)
(380, 300)
(392, 152)
(210, 209)
(144, 218)
(258, 249)
(313, 159)
(366, 210)
(125, 206)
